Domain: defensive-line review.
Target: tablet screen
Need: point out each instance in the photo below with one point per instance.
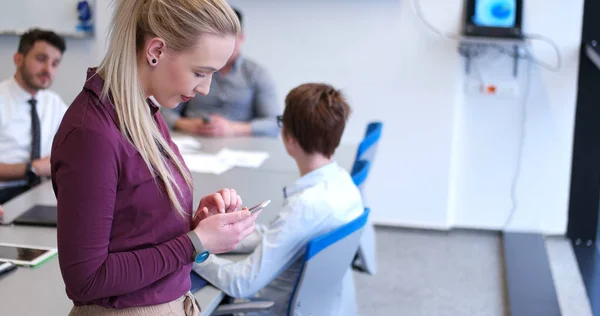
(495, 13)
(19, 253)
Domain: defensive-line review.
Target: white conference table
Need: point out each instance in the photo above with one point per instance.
(278, 160)
(45, 282)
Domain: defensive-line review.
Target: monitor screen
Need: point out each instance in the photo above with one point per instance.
(495, 13)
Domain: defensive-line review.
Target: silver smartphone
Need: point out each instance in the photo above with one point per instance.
(6, 267)
(259, 207)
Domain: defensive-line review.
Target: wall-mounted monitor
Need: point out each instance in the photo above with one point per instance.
(493, 18)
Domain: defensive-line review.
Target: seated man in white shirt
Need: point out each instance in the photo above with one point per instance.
(323, 199)
(29, 114)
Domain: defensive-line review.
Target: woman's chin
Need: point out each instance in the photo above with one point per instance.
(170, 104)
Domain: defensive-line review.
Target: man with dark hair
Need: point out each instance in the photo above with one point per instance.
(29, 114)
(242, 101)
(324, 198)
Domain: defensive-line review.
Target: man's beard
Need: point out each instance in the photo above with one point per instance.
(28, 79)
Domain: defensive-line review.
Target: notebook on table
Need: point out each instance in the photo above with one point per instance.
(38, 215)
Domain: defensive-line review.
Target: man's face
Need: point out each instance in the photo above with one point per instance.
(38, 67)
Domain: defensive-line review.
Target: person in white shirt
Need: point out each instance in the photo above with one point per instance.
(29, 113)
(323, 199)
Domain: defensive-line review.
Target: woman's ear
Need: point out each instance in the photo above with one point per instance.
(154, 50)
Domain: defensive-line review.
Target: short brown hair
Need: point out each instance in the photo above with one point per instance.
(315, 115)
(29, 38)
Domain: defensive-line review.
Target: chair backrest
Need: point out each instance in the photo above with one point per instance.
(326, 262)
(368, 146)
(359, 174)
(366, 257)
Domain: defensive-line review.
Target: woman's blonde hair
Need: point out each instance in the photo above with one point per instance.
(178, 23)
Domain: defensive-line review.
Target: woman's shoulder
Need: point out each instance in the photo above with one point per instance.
(88, 120)
(89, 112)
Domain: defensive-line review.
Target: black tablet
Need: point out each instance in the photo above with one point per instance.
(38, 215)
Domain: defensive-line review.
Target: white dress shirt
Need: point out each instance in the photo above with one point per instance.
(15, 123)
(320, 201)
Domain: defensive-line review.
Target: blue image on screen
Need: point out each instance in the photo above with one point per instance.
(495, 13)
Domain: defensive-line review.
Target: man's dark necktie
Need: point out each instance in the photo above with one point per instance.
(35, 137)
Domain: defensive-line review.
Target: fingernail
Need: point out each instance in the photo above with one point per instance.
(247, 214)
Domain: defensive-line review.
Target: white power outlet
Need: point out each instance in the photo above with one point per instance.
(505, 89)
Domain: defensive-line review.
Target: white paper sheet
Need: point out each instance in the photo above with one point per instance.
(187, 144)
(206, 163)
(243, 158)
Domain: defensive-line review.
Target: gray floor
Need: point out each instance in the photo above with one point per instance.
(460, 272)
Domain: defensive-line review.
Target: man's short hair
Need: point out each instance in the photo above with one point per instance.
(315, 115)
(29, 38)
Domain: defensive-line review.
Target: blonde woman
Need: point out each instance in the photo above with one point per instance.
(126, 236)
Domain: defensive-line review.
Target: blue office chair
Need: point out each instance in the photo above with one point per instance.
(366, 260)
(324, 273)
(359, 173)
(368, 146)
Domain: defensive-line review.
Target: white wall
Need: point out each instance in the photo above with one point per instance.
(64, 17)
(445, 159)
(488, 130)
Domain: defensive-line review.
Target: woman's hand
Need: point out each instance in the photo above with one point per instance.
(222, 232)
(224, 201)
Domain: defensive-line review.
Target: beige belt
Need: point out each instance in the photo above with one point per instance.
(189, 302)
